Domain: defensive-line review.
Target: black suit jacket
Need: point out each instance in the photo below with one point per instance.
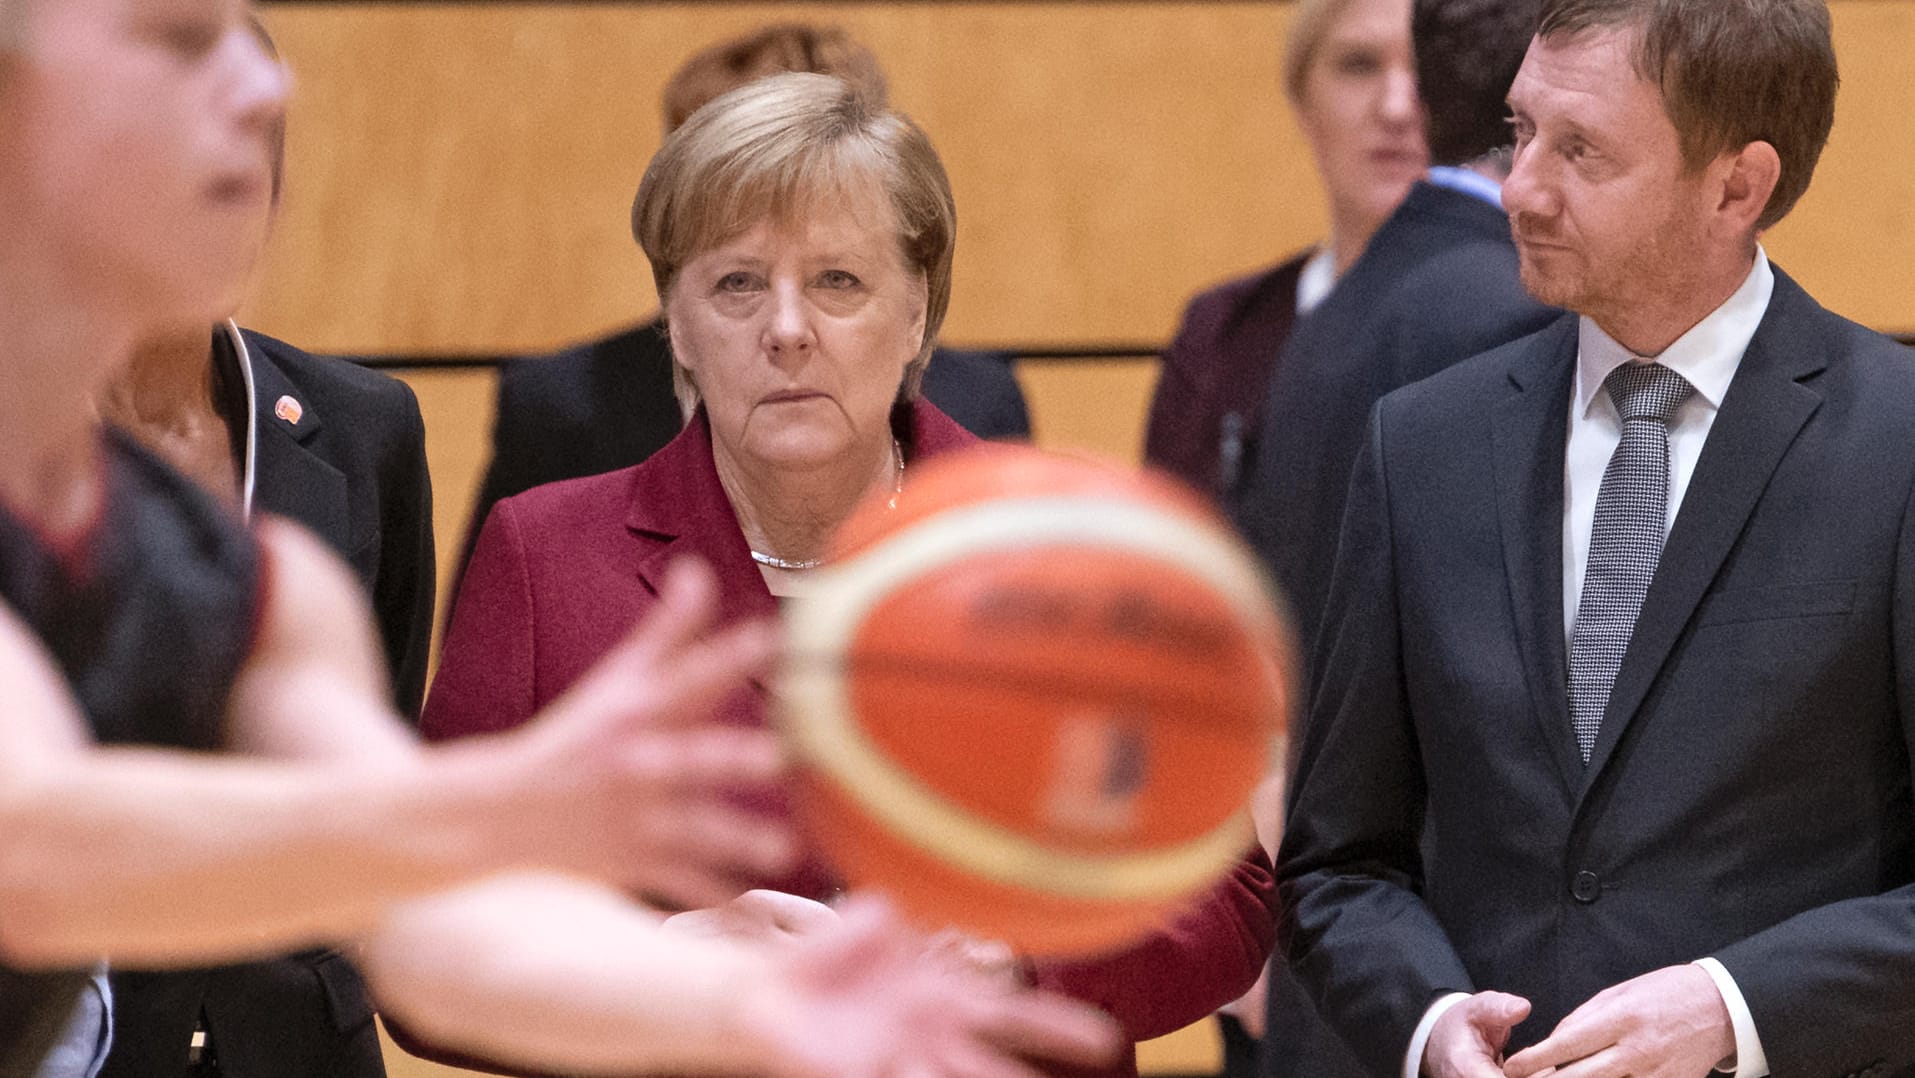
(1436, 285)
(346, 458)
(608, 404)
(1749, 792)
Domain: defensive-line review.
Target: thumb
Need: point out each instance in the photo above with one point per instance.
(1500, 1009)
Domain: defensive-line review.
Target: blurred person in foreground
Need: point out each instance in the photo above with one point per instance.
(1351, 83)
(142, 628)
(801, 235)
(1609, 769)
(608, 404)
(271, 430)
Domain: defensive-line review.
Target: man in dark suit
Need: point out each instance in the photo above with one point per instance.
(1437, 284)
(1610, 753)
(341, 450)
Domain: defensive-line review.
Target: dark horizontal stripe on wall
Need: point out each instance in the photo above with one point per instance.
(1084, 352)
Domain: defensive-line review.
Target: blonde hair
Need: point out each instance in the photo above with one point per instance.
(1308, 28)
(771, 150)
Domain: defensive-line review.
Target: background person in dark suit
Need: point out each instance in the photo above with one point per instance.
(609, 403)
(341, 450)
(1436, 284)
(1351, 82)
(1633, 806)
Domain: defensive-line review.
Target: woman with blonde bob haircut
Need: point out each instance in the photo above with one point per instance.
(783, 144)
(801, 239)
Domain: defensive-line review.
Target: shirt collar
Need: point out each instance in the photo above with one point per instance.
(248, 469)
(1707, 356)
(1318, 279)
(1474, 184)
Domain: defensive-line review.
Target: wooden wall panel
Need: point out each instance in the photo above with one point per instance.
(461, 175)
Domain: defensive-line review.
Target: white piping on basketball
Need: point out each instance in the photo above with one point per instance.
(817, 712)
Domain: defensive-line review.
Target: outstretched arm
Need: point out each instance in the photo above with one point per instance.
(114, 851)
(574, 977)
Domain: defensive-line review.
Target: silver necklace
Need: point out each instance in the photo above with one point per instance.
(799, 565)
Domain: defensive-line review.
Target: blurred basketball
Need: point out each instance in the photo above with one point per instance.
(1032, 700)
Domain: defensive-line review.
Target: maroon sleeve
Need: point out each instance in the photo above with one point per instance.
(486, 675)
(1184, 428)
(1208, 955)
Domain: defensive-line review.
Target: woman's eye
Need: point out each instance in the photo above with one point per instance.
(736, 281)
(838, 279)
(1358, 63)
(189, 38)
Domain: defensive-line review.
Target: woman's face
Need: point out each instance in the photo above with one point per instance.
(137, 148)
(1360, 111)
(798, 332)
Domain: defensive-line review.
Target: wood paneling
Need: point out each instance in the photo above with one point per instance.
(461, 175)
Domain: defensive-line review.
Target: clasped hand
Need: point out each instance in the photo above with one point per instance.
(1669, 1023)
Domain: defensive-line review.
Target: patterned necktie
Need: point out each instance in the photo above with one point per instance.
(1625, 542)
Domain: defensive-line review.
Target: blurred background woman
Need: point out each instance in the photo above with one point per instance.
(801, 240)
(1351, 80)
(1350, 75)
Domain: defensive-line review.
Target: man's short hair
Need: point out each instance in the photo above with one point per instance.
(1731, 72)
(724, 67)
(1467, 55)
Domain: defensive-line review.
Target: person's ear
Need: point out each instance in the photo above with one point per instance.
(1746, 180)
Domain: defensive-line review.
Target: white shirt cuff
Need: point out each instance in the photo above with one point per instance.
(1750, 1060)
(1413, 1059)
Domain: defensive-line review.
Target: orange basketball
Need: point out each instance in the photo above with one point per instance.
(1032, 700)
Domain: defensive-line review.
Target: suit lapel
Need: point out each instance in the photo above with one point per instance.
(1528, 429)
(1763, 411)
(290, 479)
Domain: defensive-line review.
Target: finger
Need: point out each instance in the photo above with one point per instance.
(670, 886)
(1571, 1041)
(798, 916)
(965, 1058)
(702, 758)
(687, 604)
(1045, 1026)
(1608, 1063)
(685, 685)
(715, 837)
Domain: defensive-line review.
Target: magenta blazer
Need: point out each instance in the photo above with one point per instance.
(562, 571)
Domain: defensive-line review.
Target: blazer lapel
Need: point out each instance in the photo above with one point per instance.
(679, 504)
(1763, 411)
(1528, 429)
(290, 479)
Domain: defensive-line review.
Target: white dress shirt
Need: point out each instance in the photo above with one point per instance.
(1707, 356)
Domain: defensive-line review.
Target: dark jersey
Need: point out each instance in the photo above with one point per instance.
(150, 622)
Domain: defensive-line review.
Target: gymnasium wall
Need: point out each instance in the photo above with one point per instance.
(460, 176)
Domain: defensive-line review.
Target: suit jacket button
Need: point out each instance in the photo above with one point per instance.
(1586, 888)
